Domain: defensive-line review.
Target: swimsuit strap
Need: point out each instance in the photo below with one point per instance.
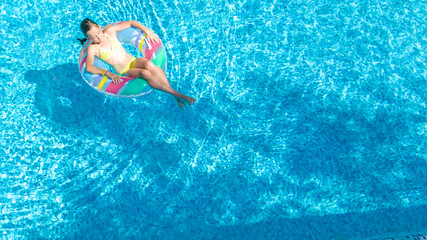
(107, 36)
(114, 42)
(98, 47)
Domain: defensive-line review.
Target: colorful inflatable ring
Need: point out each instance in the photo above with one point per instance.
(129, 87)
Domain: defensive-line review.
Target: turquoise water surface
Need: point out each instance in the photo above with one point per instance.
(310, 123)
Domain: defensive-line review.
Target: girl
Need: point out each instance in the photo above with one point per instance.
(107, 47)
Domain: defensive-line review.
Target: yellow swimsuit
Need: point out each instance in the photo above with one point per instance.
(104, 55)
(130, 65)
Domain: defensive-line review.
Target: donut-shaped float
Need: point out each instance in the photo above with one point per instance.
(128, 87)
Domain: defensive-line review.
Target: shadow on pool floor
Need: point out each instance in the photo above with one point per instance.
(63, 97)
(134, 218)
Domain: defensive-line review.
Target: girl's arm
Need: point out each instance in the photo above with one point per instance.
(127, 24)
(89, 62)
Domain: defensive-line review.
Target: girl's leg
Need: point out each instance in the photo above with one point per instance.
(157, 79)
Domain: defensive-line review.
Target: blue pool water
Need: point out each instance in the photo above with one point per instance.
(310, 123)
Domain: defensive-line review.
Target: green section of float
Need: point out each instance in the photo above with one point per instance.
(135, 86)
(160, 58)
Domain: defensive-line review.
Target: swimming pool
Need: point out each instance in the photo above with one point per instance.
(310, 123)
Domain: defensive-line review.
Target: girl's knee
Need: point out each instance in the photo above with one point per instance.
(143, 63)
(144, 73)
(150, 66)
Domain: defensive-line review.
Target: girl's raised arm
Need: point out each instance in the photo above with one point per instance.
(127, 24)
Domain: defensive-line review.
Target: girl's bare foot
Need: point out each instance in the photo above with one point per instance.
(181, 103)
(189, 100)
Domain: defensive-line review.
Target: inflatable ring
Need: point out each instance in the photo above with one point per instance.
(129, 87)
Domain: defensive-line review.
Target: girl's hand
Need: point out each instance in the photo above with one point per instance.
(152, 37)
(116, 78)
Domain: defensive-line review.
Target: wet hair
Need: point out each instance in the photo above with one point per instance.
(85, 26)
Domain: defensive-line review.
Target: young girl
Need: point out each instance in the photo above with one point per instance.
(107, 47)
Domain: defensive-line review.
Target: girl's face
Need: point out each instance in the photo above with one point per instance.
(95, 34)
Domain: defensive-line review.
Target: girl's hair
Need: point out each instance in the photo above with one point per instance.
(85, 26)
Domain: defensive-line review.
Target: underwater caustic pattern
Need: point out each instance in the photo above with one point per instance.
(310, 123)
